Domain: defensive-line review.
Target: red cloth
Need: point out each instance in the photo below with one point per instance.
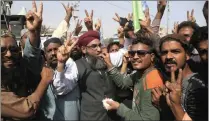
(87, 37)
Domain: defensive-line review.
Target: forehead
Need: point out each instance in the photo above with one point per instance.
(53, 45)
(203, 44)
(186, 29)
(139, 46)
(8, 41)
(95, 41)
(172, 44)
(114, 46)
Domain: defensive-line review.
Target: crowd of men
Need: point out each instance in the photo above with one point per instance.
(148, 77)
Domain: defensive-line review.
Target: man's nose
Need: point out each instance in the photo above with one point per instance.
(99, 49)
(54, 52)
(8, 54)
(169, 55)
(135, 56)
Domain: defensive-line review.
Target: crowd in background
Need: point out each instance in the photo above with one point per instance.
(141, 77)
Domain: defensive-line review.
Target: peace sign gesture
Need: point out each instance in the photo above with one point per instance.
(173, 97)
(161, 4)
(98, 25)
(64, 51)
(146, 23)
(190, 17)
(68, 9)
(34, 17)
(78, 27)
(130, 17)
(175, 27)
(117, 18)
(89, 20)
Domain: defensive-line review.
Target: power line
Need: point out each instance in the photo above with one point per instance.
(128, 2)
(117, 6)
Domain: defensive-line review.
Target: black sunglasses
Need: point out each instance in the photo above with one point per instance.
(140, 53)
(203, 51)
(12, 49)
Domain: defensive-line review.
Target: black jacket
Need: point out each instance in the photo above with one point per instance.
(195, 101)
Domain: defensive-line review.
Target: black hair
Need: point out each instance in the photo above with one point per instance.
(200, 35)
(52, 40)
(178, 38)
(145, 37)
(149, 39)
(111, 44)
(183, 24)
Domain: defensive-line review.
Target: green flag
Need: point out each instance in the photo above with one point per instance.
(137, 14)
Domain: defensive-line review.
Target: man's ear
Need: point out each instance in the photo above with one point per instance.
(83, 49)
(187, 56)
(152, 57)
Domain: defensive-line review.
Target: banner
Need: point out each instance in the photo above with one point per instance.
(137, 14)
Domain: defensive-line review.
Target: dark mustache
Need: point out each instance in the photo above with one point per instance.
(53, 58)
(4, 59)
(170, 61)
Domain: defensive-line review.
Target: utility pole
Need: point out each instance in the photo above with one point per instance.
(75, 9)
(75, 6)
(168, 16)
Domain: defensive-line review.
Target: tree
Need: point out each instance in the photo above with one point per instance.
(45, 30)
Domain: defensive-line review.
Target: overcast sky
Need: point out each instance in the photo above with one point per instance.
(54, 12)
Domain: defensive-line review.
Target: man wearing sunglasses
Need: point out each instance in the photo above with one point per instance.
(19, 99)
(142, 56)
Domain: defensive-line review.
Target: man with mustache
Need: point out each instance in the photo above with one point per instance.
(90, 72)
(59, 104)
(175, 52)
(18, 100)
(142, 55)
(76, 52)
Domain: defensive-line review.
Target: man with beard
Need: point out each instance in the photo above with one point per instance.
(90, 72)
(76, 52)
(174, 55)
(64, 104)
(142, 55)
(18, 100)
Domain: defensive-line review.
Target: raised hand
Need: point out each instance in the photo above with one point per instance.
(106, 58)
(173, 97)
(175, 28)
(98, 25)
(130, 17)
(146, 23)
(64, 51)
(78, 27)
(68, 9)
(117, 18)
(47, 74)
(161, 5)
(190, 17)
(126, 58)
(34, 17)
(120, 32)
(89, 20)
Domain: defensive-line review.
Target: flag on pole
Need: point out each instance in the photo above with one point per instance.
(137, 14)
